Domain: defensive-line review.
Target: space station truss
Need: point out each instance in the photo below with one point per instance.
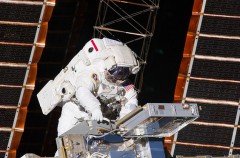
(23, 26)
(131, 22)
(209, 75)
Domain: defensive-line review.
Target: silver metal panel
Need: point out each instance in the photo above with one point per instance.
(155, 120)
(137, 135)
(172, 109)
(159, 120)
(91, 128)
(136, 120)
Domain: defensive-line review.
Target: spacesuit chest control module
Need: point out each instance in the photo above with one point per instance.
(93, 85)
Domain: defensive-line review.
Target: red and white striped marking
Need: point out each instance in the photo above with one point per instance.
(129, 87)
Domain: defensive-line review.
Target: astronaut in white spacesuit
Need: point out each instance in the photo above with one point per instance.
(96, 77)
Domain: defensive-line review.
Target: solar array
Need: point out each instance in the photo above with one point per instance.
(210, 76)
(23, 26)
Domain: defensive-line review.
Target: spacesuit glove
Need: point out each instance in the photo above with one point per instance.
(97, 115)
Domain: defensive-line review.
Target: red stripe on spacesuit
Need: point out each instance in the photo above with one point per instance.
(94, 45)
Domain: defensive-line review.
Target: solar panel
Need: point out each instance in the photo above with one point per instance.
(198, 151)
(223, 7)
(213, 90)
(217, 113)
(236, 152)
(7, 117)
(22, 34)
(12, 75)
(237, 141)
(220, 26)
(218, 47)
(210, 76)
(20, 12)
(4, 140)
(23, 26)
(205, 135)
(15, 53)
(2, 154)
(216, 69)
(9, 96)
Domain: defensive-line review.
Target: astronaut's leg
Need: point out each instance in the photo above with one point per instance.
(69, 117)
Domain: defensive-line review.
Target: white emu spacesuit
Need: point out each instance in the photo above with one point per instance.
(97, 75)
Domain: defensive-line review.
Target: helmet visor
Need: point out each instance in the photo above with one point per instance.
(119, 73)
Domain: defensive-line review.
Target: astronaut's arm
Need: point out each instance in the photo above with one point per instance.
(84, 94)
(132, 102)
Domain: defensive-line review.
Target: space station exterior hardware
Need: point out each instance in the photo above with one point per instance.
(137, 135)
